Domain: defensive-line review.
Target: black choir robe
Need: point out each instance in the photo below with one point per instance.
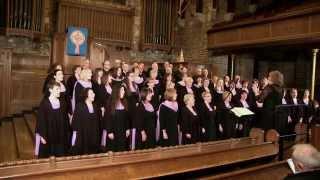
(87, 127)
(145, 121)
(217, 98)
(271, 97)
(197, 91)
(245, 121)
(190, 124)
(168, 121)
(100, 92)
(116, 122)
(53, 126)
(208, 122)
(227, 119)
(155, 101)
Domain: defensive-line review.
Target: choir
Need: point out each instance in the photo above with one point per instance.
(126, 107)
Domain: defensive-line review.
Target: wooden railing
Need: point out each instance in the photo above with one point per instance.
(142, 163)
(22, 17)
(109, 23)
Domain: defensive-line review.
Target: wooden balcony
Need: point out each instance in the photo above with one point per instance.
(297, 26)
(21, 18)
(109, 23)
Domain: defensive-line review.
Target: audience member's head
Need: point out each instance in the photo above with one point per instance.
(305, 157)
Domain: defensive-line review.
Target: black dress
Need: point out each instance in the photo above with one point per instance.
(117, 122)
(53, 126)
(168, 121)
(101, 94)
(145, 121)
(78, 90)
(208, 122)
(87, 127)
(190, 125)
(227, 119)
(271, 97)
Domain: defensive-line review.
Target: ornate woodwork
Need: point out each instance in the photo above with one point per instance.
(298, 26)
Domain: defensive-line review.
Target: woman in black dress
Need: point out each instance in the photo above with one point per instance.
(207, 114)
(270, 97)
(70, 84)
(154, 85)
(52, 126)
(167, 125)
(190, 121)
(49, 77)
(84, 82)
(98, 87)
(226, 124)
(86, 125)
(116, 121)
(145, 122)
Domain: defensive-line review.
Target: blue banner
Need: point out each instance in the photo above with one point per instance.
(77, 41)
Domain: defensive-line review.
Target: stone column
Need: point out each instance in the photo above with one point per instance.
(314, 65)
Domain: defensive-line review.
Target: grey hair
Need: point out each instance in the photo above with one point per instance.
(306, 154)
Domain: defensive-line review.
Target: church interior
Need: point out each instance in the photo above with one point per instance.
(185, 89)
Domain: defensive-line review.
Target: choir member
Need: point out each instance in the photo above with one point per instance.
(155, 86)
(190, 124)
(76, 70)
(86, 64)
(226, 120)
(226, 82)
(167, 124)
(125, 69)
(106, 66)
(183, 88)
(145, 122)
(117, 77)
(49, 76)
(139, 80)
(217, 93)
(245, 122)
(167, 83)
(116, 121)
(307, 108)
(197, 89)
(86, 122)
(237, 81)
(98, 87)
(197, 74)
(207, 114)
(52, 126)
(269, 98)
(143, 73)
(205, 73)
(213, 84)
(84, 82)
(132, 95)
(107, 90)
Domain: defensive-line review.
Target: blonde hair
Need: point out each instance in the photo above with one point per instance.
(84, 73)
(276, 77)
(169, 94)
(225, 95)
(188, 79)
(187, 98)
(306, 154)
(205, 93)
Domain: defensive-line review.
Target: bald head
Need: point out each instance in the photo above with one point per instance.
(306, 157)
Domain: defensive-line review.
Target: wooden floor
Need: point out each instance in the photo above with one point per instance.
(17, 137)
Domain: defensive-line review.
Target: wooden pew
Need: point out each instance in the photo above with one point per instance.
(142, 163)
(274, 171)
(8, 149)
(23, 138)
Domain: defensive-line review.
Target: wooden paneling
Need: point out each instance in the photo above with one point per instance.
(300, 26)
(275, 171)
(5, 69)
(144, 163)
(113, 24)
(26, 90)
